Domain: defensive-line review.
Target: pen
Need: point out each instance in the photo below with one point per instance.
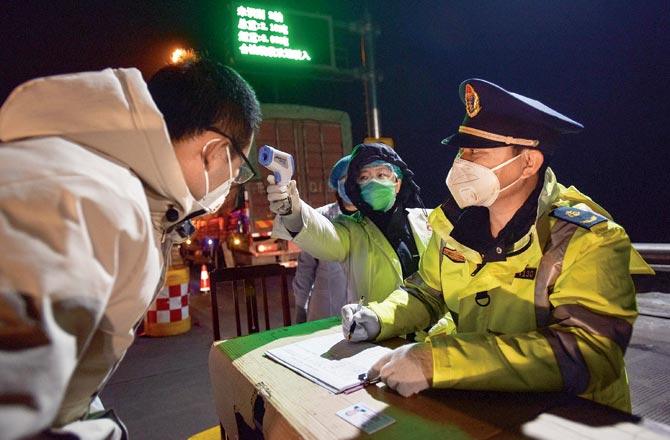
(353, 324)
(361, 385)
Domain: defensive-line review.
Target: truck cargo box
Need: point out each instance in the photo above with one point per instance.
(317, 138)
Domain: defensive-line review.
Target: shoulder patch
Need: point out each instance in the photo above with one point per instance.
(580, 217)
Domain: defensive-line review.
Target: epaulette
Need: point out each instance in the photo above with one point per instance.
(580, 217)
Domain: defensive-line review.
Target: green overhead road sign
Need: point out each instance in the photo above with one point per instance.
(270, 34)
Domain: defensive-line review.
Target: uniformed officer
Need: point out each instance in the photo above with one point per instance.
(525, 282)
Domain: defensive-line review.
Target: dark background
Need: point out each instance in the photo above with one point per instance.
(603, 63)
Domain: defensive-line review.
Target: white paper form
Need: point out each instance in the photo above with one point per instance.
(330, 361)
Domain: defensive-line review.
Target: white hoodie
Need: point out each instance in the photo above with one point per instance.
(87, 172)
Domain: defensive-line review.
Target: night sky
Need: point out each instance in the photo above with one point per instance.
(605, 64)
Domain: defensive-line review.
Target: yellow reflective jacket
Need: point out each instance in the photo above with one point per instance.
(557, 314)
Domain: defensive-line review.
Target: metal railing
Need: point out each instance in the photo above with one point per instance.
(657, 255)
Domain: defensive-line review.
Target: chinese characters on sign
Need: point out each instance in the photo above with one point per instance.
(264, 33)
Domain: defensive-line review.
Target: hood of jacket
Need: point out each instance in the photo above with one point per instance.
(112, 113)
(364, 154)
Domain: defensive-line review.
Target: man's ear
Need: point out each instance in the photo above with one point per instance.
(533, 162)
(215, 151)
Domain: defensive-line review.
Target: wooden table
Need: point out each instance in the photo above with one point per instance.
(255, 395)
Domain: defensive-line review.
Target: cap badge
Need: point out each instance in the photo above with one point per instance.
(472, 106)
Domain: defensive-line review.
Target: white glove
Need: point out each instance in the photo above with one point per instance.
(367, 323)
(285, 201)
(408, 369)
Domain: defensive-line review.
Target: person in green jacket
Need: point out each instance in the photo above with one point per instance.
(320, 287)
(525, 284)
(380, 245)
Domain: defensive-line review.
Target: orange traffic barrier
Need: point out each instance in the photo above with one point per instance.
(204, 279)
(168, 315)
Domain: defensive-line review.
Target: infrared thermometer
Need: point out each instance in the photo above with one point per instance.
(280, 163)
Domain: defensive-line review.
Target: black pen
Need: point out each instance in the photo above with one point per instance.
(353, 324)
(362, 384)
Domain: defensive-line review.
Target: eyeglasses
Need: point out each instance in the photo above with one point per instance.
(381, 172)
(246, 171)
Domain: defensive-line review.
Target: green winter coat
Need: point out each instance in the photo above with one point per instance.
(372, 266)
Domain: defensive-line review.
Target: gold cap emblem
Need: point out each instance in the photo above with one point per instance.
(472, 106)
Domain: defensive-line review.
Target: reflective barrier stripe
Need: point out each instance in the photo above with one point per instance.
(168, 314)
(550, 268)
(617, 329)
(574, 371)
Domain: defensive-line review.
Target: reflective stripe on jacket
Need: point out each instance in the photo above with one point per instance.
(556, 315)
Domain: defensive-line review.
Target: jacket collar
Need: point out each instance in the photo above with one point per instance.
(534, 236)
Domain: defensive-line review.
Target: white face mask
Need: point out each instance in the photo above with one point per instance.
(472, 184)
(213, 200)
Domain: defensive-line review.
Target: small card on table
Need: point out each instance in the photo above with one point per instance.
(365, 418)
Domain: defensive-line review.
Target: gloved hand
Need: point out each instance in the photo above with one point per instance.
(285, 201)
(407, 369)
(367, 323)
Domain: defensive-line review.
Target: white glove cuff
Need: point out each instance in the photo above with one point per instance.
(294, 221)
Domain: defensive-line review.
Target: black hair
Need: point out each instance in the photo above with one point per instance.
(202, 93)
(516, 149)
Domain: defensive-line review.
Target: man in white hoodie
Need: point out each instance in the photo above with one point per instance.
(99, 175)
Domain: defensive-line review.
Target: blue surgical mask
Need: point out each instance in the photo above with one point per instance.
(379, 194)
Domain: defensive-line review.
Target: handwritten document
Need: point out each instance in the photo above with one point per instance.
(330, 360)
